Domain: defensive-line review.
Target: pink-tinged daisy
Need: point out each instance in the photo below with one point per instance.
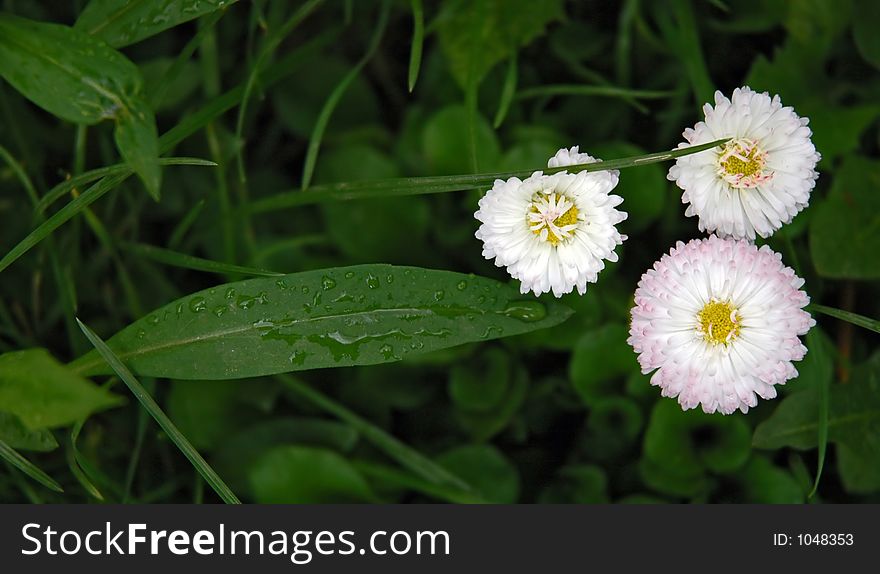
(758, 180)
(718, 322)
(552, 232)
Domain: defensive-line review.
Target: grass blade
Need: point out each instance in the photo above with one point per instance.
(415, 54)
(272, 43)
(177, 259)
(200, 464)
(813, 342)
(445, 184)
(848, 316)
(508, 92)
(336, 95)
(405, 455)
(583, 90)
(11, 456)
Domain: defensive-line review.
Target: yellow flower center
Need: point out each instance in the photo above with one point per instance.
(570, 217)
(719, 322)
(741, 164)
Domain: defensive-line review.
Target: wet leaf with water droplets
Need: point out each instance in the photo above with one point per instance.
(124, 22)
(328, 318)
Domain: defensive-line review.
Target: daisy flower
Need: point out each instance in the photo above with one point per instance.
(758, 180)
(552, 232)
(719, 320)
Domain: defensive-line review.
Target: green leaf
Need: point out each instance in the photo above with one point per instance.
(42, 393)
(845, 228)
(853, 426)
(124, 22)
(344, 316)
(477, 34)
(66, 72)
(149, 404)
(761, 482)
(303, 475)
(577, 484)
(16, 435)
(486, 468)
(138, 143)
(240, 451)
(601, 358)
(865, 27)
(446, 135)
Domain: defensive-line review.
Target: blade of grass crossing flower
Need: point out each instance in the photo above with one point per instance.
(177, 259)
(405, 455)
(848, 316)
(444, 184)
(508, 92)
(200, 464)
(11, 456)
(271, 44)
(336, 95)
(418, 39)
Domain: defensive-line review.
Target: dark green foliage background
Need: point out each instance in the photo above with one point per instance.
(555, 415)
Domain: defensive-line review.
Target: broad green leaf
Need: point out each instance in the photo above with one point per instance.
(138, 143)
(865, 27)
(694, 441)
(613, 425)
(18, 436)
(445, 136)
(236, 455)
(344, 316)
(43, 393)
(486, 468)
(124, 22)
(66, 72)
(853, 426)
(577, 484)
(845, 228)
(477, 34)
(600, 360)
(481, 384)
(761, 482)
(299, 475)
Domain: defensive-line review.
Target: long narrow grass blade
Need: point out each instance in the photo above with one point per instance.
(198, 462)
(445, 184)
(12, 456)
(582, 90)
(272, 43)
(415, 54)
(508, 92)
(88, 177)
(336, 95)
(813, 342)
(184, 225)
(848, 316)
(177, 259)
(405, 455)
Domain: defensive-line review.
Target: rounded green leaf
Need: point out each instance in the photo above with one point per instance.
(303, 475)
(600, 359)
(486, 468)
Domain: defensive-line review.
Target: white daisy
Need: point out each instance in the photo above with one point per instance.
(719, 320)
(757, 181)
(552, 232)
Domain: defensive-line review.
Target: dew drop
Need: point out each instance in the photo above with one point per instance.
(230, 293)
(197, 304)
(141, 334)
(387, 352)
(305, 290)
(298, 358)
(153, 320)
(389, 279)
(525, 310)
(438, 295)
(219, 310)
(327, 283)
(349, 274)
(372, 281)
(462, 285)
(281, 284)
